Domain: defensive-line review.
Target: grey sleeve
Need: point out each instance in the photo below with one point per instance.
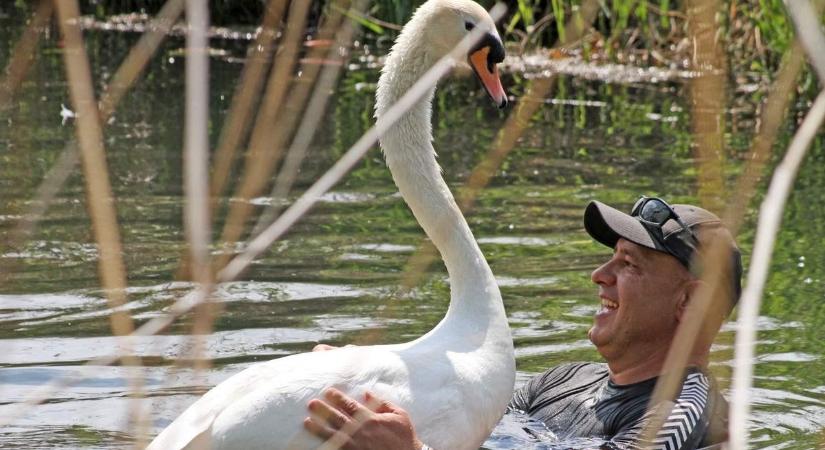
(525, 396)
(522, 397)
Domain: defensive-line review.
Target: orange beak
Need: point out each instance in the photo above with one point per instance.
(488, 75)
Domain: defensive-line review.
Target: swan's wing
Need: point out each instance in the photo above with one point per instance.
(272, 416)
(266, 403)
(198, 418)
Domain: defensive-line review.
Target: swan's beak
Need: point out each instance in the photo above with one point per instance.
(483, 61)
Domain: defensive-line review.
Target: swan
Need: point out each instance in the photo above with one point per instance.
(456, 380)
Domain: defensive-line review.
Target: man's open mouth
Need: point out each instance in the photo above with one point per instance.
(609, 304)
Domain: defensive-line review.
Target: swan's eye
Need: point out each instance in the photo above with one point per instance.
(469, 26)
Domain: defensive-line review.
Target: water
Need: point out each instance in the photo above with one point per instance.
(334, 277)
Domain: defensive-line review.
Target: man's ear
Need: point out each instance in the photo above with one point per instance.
(689, 292)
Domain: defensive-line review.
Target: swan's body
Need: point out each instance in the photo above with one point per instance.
(456, 380)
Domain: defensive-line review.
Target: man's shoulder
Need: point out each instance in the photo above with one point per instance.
(702, 382)
(698, 413)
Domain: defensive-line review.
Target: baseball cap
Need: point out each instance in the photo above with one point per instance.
(678, 230)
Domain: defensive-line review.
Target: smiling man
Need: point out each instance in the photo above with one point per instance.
(644, 291)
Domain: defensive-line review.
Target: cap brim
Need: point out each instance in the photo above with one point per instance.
(606, 225)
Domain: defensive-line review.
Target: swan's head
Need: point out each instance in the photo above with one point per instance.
(450, 21)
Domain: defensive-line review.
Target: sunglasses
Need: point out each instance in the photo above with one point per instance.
(654, 213)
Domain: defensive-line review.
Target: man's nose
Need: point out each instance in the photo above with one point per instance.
(603, 275)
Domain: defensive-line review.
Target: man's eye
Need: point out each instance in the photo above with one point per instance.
(469, 26)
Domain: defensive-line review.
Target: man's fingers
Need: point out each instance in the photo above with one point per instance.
(377, 404)
(323, 348)
(325, 413)
(346, 404)
(315, 426)
(333, 439)
(326, 347)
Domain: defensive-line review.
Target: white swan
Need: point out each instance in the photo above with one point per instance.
(456, 380)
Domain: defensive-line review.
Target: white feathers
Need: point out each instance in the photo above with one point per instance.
(456, 380)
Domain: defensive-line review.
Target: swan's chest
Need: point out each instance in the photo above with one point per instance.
(466, 402)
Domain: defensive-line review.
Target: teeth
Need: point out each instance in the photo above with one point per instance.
(609, 304)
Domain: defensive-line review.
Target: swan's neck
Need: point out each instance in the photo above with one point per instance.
(412, 161)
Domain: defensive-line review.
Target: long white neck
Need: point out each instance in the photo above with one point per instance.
(475, 297)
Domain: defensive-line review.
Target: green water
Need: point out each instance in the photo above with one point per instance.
(334, 277)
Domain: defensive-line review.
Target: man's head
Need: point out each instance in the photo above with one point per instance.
(654, 272)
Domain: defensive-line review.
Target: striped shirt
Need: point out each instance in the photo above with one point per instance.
(579, 400)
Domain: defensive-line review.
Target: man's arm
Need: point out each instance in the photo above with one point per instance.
(522, 398)
(375, 424)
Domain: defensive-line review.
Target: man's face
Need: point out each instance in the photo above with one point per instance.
(640, 291)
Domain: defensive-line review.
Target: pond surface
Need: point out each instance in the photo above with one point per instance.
(334, 278)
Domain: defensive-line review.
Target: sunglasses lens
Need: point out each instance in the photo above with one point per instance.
(634, 211)
(654, 210)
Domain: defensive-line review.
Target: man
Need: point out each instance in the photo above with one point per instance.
(644, 289)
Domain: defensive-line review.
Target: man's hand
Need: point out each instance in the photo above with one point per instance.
(323, 347)
(345, 423)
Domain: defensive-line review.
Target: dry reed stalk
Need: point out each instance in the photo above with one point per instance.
(196, 141)
(188, 302)
(708, 98)
(342, 435)
(704, 315)
(150, 328)
(264, 148)
(123, 79)
(700, 311)
(244, 99)
(810, 36)
(138, 57)
(98, 189)
(96, 172)
(193, 264)
(197, 221)
(316, 107)
(426, 253)
(47, 190)
(261, 242)
(770, 219)
(22, 57)
(248, 89)
(24, 52)
(773, 115)
(503, 144)
(806, 22)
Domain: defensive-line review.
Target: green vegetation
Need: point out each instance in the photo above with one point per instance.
(754, 33)
(654, 31)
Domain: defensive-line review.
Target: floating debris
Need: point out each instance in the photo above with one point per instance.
(536, 65)
(139, 23)
(540, 65)
(66, 114)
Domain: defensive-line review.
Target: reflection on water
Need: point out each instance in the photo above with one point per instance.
(335, 277)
